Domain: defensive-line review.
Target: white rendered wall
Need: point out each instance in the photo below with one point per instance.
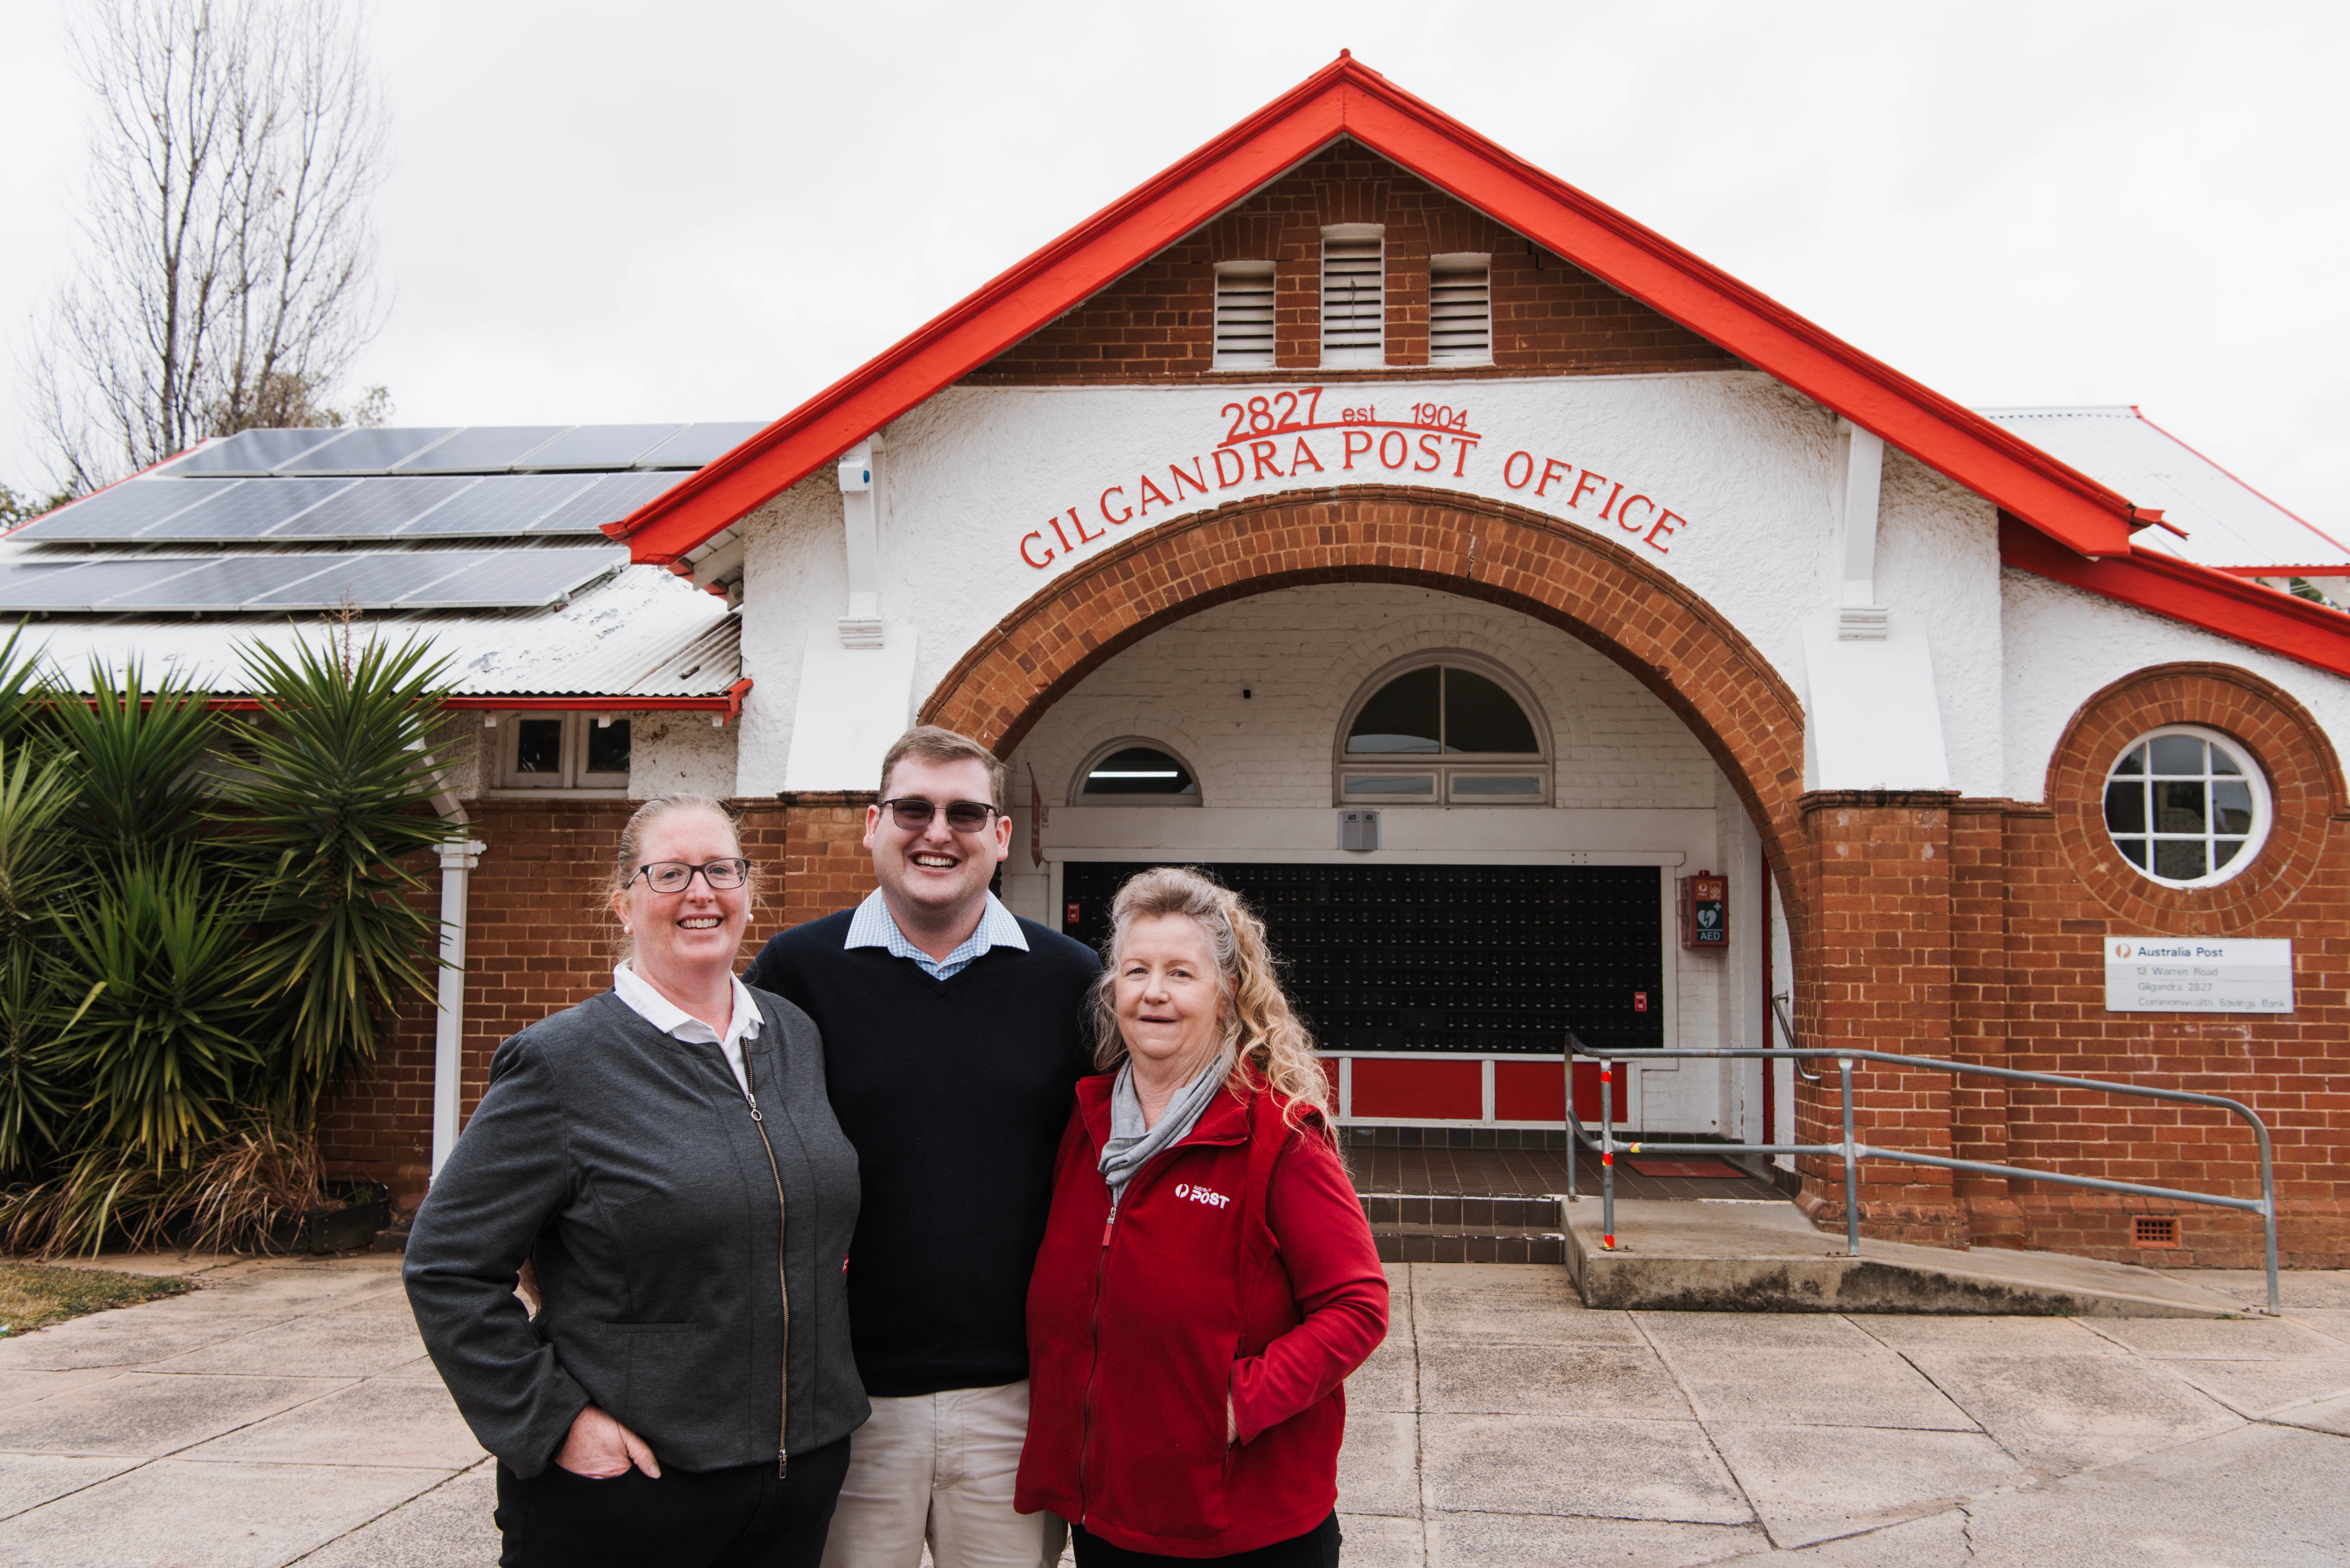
(680, 753)
(2063, 646)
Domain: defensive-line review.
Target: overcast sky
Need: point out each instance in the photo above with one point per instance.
(704, 209)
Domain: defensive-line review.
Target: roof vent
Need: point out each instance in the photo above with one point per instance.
(1245, 316)
(1461, 308)
(1353, 296)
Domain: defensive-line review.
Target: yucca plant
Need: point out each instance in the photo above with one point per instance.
(35, 1089)
(137, 761)
(332, 800)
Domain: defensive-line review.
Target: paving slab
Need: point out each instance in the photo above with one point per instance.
(2333, 1323)
(1814, 1483)
(1872, 1388)
(27, 1481)
(1378, 1464)
(2257, 1387)
(24, 1388)
(1738, 1332)
(1389, 1381)
(144, 1414)
(1549, 1465)
(2325, 1416)
(377, 1422)
(1616, 1381)
(420, 1370)
(2295, 1287)
(338, 1344)
(2220, 1339)
(1509, 1303)
(2003, 1335)
(1399, 1321)
(126, 1337)
(172, 1513)
(1375, 1541)
(2065, 1413)
(1488, 1540)
(447, 1527)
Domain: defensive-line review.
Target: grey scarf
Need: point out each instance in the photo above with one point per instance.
(1131, 1144)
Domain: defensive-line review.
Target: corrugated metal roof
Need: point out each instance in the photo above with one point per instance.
(2228, 523)
(644, 633)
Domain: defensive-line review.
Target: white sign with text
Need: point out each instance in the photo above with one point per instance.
(2197, 974)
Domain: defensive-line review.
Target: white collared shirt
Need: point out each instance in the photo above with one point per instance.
(874, 927)
(678, 1024)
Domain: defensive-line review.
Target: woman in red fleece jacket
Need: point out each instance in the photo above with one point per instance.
(1207, 1279)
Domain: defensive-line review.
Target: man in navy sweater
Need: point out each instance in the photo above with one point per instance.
(953, 1037)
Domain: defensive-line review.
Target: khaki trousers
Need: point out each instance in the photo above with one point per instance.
(938, 1468)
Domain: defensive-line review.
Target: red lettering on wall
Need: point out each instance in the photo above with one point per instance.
(1300, 454)
(1465, 444)
(1353, 451)
(1124, 513)
(1585, 486)
(1261, 450)
(1054, 524)
(1511, 463)
(1193, 479)
(1664, 526)
(1551, 469)
(1151, 491)
(1624, 520)
(1084, 538)
(1432, 449)
(1402, 446)
(1611, 503)
(1033, 534)
(1240, 469)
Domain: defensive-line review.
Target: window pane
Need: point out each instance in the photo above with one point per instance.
(1479, 716)
(2221, 764)
(2132, 763)
(607, 748)
(2181, 860)
(2176, 754)
(1382, 783)
(1520, 785)
(1400, 719)
(538, 746)
(2133, 850)
(1139, 770)
(2178, 808)
(2125, 807)
(2225, 850)
(2232, 804)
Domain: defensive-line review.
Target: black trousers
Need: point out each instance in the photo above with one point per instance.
(742, 1517)
(1318, 1548)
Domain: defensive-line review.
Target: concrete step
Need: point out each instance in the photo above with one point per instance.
(1749, 1255)
(1459, 1227)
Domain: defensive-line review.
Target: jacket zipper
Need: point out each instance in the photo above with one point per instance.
(1093, 1368)
(783, 1278)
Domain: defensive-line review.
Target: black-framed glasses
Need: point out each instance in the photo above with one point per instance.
(672, 875)
(913, 813)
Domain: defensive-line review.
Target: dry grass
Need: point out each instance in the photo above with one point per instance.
(33, 1295)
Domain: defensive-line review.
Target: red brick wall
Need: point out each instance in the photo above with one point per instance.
(1157, 323)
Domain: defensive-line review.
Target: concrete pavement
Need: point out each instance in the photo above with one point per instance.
(284, 1413)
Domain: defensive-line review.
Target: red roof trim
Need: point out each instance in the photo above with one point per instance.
(1347, 98)
(2200, 596)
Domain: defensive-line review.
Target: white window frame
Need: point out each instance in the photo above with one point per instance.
(1243, 359)
(1443, 769)
(573, 778)
(2263, 809)
(1356, 355)
(1460, 266)
(1077, 795)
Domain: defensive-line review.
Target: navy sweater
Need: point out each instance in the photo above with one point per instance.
(955, 1094)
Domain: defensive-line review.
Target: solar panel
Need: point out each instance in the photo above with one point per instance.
(698, 444)
(122, 512)
(252, 452)
(497, 503)
(251, 511)
(383, 580)
(599, 446)
(608, 500)
(367, 451)
(482, 449)
(377, 506)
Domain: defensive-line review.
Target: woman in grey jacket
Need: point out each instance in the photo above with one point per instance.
(664, 1158)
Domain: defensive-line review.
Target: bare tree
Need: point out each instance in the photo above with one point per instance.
(225, 270)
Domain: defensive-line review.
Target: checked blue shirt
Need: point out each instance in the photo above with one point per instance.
(873, 926)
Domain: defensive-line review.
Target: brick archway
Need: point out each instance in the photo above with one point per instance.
(1670, 639)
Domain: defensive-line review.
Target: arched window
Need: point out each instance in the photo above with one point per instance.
(2187, 806)
(1134, 771)
(1444, 728)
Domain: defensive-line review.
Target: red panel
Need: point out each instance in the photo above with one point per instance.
(1529, 1091)
(1586, 1092)
(1428, 1091)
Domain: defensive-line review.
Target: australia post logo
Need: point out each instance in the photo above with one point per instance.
(2121, 950)
(1199, 1194)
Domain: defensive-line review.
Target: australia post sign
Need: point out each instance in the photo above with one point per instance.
(1310, 437)
(2197, 974)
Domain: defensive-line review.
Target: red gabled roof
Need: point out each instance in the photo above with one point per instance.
(1347, 98)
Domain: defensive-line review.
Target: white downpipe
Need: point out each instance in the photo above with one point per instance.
(458, 858)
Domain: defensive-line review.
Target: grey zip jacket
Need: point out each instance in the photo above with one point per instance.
(679, 1296)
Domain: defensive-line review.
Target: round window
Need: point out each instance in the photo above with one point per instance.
(2187, 806)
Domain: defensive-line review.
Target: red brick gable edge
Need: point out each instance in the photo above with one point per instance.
(1347, 98)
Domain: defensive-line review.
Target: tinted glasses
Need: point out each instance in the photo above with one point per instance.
(913, 813)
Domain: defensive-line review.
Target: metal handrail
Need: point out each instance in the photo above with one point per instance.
(1852, 1152)
(1787, 1033)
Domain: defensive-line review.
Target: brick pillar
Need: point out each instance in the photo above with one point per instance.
(826, 864)
(1883, 957)
(1978, 928)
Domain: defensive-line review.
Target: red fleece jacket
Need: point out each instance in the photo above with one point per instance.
(1238, 1261)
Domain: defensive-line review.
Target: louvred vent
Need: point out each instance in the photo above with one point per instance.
(1460, 309)
(1353, 296)
(1245, 316)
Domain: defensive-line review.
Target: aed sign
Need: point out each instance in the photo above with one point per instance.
(1705, 911)
(2198, 974)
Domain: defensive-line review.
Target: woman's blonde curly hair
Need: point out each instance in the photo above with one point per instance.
(1263, 1043)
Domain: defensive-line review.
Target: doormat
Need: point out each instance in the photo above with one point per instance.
(1713, 1168)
